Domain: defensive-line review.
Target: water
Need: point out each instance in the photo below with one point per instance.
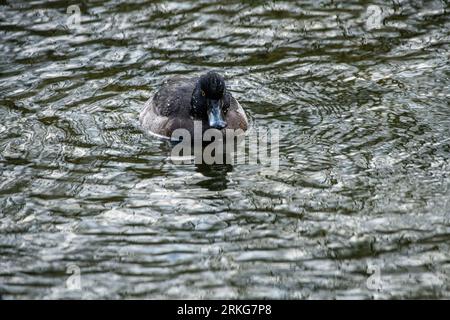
(91, 207)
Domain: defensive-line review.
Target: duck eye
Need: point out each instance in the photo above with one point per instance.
(203, 93)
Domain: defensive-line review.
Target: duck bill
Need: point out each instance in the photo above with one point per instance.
(215, 116)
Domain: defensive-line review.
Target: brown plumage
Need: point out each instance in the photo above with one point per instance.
(180, 101)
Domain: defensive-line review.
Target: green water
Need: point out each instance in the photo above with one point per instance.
(359, 90)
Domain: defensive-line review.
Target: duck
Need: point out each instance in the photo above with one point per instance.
(182, 101)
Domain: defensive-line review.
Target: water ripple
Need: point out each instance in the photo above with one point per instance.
(359, 91)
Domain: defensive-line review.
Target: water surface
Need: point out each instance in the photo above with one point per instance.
(359, 89)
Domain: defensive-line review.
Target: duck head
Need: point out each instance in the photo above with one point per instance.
(210, 100)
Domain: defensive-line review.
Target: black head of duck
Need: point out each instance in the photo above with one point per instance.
(181, 102)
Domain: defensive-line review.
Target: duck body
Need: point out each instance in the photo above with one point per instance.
(181, 101)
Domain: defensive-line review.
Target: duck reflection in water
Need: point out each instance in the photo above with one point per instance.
(217, 174)
(216, 171)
